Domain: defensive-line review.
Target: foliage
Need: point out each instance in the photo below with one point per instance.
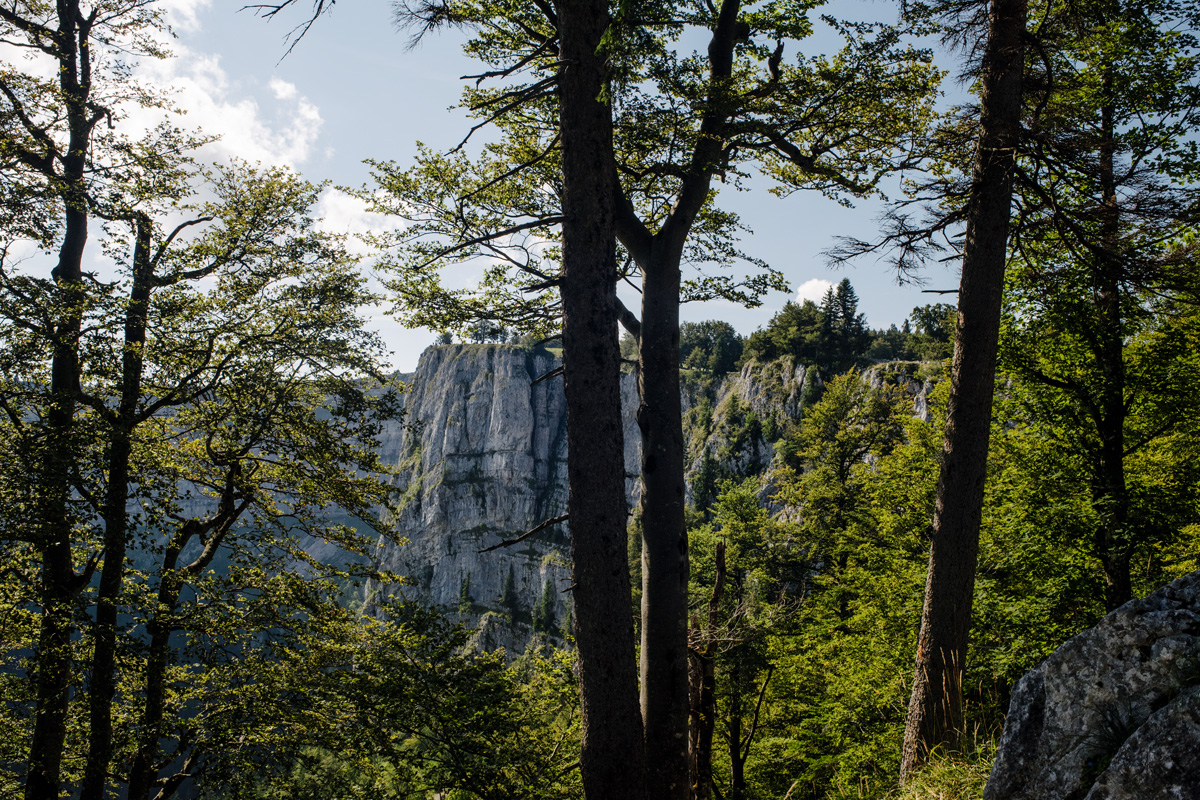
(817, 621)
(849, 523)
(711, 347)
(1100, 304)
(253, 437)
(835, 337)
(500, 211)
(396, 708)
(832, 336)
(189, 418)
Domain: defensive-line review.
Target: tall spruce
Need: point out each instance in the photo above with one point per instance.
(935, 713)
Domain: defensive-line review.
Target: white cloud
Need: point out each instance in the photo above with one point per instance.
(282, 89)
(274, 124)
(338, 212)
(344, 213)
(813, 289)
(285, 132)
(184, 15)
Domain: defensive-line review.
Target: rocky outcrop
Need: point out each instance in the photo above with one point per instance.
(732, 424)
(1113, 714)
(913, 379)
(481, 457)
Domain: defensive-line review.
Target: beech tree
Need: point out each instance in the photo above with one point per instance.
(220, 447)
(49, 135)
(202, 361)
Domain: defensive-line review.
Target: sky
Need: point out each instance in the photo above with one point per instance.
(352, 89)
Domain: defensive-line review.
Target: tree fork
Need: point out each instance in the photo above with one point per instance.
(935, 714)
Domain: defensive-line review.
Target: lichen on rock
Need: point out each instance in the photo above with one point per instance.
(1114, 713)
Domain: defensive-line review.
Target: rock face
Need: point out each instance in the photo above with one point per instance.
(732, 424)
(1113, 714)
(482, 458)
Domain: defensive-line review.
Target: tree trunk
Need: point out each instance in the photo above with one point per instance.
(664, 655)
(935, 709)
(1110, 495)
(664, 659)
(612, 760)
(142, 771)
(59, 583)
(112, 578)
(737, 773)
(703, 690)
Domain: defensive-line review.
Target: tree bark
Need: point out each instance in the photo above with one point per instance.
(1110, 495)
(703, 689)
(664, 659)
(59, 583)
(664, 654)
(935, 714)
(612, 760)
(112, 577)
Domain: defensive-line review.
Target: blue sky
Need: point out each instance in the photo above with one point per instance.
(351, 90)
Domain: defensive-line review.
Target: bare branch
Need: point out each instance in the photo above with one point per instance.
(551, 374)
(540, 527)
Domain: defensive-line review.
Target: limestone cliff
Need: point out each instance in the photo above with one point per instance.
(732, 424)
(481, 457)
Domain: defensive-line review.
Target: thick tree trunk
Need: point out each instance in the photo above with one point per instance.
(59, 583)
(935, 709)
(664, 654)
(664, 660)
(53, 659)
(612, 760)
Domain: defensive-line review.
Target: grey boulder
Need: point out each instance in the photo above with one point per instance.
(1113, 714)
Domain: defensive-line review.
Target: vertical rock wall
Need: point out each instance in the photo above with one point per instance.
(481, 458)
